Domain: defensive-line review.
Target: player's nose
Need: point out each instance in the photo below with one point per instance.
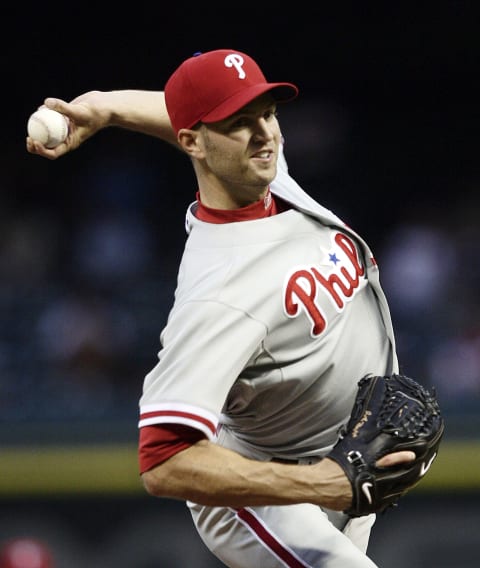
(263, 129)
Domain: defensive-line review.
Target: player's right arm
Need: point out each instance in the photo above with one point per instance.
(141, 111)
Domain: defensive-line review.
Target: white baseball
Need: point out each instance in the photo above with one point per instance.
(48, 127)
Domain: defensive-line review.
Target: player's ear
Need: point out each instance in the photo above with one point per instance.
(189, 140)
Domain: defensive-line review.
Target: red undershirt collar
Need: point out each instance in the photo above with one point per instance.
(267, 207)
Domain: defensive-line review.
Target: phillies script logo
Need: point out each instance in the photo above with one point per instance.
(340, 285)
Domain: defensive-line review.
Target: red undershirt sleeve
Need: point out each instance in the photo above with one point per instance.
(159, 442)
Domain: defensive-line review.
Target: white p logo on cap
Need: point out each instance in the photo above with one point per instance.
(235, 60)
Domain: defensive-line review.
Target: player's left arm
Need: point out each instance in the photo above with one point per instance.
(209, 474)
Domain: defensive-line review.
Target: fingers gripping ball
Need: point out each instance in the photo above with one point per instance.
(390, 414)
(48, 127)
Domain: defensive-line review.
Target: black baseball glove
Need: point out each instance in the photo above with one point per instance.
(390, 414)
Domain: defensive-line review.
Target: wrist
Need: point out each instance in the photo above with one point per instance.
(333, 486)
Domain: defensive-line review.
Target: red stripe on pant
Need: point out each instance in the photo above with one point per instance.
(269, 540)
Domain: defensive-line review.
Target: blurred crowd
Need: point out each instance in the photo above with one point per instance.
(84, 291)
(431, 273)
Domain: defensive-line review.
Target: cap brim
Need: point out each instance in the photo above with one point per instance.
(282, 92)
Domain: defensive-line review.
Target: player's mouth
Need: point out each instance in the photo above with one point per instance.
(263, 155)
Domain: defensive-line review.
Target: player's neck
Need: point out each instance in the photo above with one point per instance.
(218, 197)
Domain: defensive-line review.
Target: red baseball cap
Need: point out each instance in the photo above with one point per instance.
(211, 86)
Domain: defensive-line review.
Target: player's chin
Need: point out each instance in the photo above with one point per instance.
(265, 173)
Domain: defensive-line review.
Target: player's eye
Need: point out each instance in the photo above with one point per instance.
(240, 122)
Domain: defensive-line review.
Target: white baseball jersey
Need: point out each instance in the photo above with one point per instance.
(274, 322)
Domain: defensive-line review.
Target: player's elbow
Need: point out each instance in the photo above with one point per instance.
(155, 482)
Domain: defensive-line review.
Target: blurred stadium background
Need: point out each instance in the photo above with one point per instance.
(385, 133)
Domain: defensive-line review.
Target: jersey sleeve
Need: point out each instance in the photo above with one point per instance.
(205, 346)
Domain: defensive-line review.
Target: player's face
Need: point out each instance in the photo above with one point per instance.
(242, 150)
